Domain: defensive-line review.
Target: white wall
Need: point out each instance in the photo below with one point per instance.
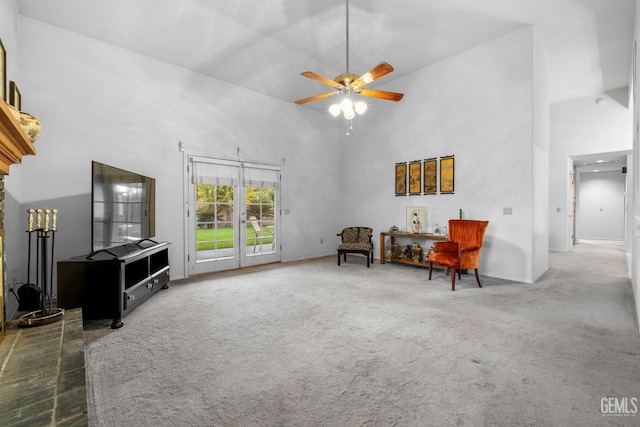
(540, 181)
(601, 205)
(579, 127)
(99, 102)
(479, 106)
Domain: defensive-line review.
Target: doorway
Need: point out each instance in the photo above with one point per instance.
(233, 211)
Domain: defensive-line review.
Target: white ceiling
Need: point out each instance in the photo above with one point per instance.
(264, 45)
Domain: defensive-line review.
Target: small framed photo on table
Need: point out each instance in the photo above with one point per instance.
(416, 220)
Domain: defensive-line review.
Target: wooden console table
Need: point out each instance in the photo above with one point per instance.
(411, 236)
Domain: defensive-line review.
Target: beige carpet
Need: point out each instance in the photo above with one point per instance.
(314, 344)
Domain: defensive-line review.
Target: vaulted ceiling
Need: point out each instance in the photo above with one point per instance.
(264, 45)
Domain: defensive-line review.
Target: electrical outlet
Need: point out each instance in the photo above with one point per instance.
(321, 241)
(506, 211)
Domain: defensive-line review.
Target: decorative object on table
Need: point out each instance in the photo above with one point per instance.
(407, 252)
(401, 179)
(15, 97)
(3, 72)
(447, 173)
(462, 250)
(415, 178)
(45, 231)
(429, 176)
(431, 250)
(393, 229)
(417, 252)
(416, 219)
(436, 230)
(356, 240)
(396, 251)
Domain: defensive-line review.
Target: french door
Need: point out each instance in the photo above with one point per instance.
(233, 213)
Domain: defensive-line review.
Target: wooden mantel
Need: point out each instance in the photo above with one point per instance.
(14, 143)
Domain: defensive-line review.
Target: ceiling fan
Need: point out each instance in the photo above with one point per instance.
(350, 84)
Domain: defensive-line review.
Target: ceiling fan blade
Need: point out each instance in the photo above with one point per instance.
(315, 98)
(382, 69)
(389, 96)
(313, 76)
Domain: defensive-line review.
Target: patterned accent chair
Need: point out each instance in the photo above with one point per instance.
(356, 240)
(463, 248)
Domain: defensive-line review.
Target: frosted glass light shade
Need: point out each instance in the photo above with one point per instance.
(334, 110)
(349, 114)
(346, 104)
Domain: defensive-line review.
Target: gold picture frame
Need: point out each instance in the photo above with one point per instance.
(447, 175)
(15, 97)
(430, 176)
(415, 178)
(401, 179)
(3, 72)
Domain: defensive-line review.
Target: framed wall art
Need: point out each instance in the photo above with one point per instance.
(15, 97)
(447, 174)
(416, 220)
(429, 176)
(415, 178)
(401, 179)
(3, 72)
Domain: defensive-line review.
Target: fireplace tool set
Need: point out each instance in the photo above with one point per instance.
(45, 232)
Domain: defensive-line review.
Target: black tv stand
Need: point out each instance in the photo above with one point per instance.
(110, 283)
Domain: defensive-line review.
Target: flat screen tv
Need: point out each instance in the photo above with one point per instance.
(122, 207)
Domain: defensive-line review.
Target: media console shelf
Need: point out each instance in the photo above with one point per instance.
(410, 236)
(110, 284)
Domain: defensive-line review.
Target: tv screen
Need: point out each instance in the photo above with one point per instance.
(123, 207)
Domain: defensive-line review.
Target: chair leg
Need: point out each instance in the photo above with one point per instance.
(453, 279)
(367, 256)
(338, 259)
(430, 268)
(478, 278)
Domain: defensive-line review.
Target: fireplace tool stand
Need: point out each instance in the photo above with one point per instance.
(43, 268)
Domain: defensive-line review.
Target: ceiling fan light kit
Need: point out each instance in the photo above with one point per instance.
(351, 85)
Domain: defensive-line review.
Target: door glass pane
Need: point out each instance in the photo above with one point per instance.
(261, 220)
(215, 233)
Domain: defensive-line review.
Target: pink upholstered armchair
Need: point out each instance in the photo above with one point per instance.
(462, 250)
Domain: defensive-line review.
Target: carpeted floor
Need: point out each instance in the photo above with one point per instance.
(314, 344)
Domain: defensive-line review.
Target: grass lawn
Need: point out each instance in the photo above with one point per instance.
(206, 238)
